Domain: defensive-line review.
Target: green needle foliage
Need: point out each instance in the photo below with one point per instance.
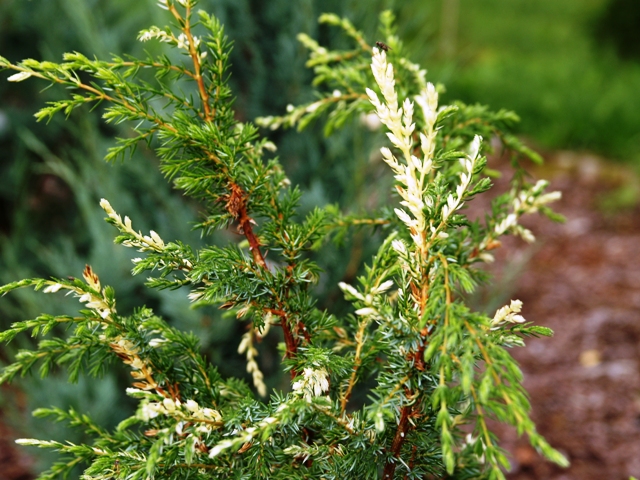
(432, 371)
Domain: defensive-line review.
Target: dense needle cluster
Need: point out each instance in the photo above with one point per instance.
(402, 387)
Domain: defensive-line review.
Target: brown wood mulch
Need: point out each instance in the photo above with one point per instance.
(582, 279)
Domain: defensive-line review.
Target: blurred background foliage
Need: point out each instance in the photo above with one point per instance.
(565, 66)
(569, 68)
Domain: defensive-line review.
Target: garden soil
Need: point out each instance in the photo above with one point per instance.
(582, 279)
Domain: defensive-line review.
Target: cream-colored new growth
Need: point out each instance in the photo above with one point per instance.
(413, 175)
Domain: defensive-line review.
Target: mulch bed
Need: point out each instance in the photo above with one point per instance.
(582, 281)
(14, 462)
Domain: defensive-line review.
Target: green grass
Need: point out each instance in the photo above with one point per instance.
(541, 59)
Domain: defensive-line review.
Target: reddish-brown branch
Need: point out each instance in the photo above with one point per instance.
(237, 206)
(352, 382)
(407, 411)
(356, 365)
(254, 244)
(237, 198)
(290, 342)
(398, 441)
(195, 58)
(418, 355)
(303, 329)
(412, 462)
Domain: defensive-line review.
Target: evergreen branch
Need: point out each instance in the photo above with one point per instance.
(359, 341)
(399, 385)
(236, 203)
(119, 63)
(416, 342)
(398, 440)
(40, 325)
(488, 446)
(338, 419)
(348, 221)
(75, 419)
(348, 27)
(303, 115)
(195, 56)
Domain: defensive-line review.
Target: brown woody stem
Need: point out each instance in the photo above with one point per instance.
(398, 441)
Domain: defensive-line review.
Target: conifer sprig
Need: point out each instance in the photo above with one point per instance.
(434, 372)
